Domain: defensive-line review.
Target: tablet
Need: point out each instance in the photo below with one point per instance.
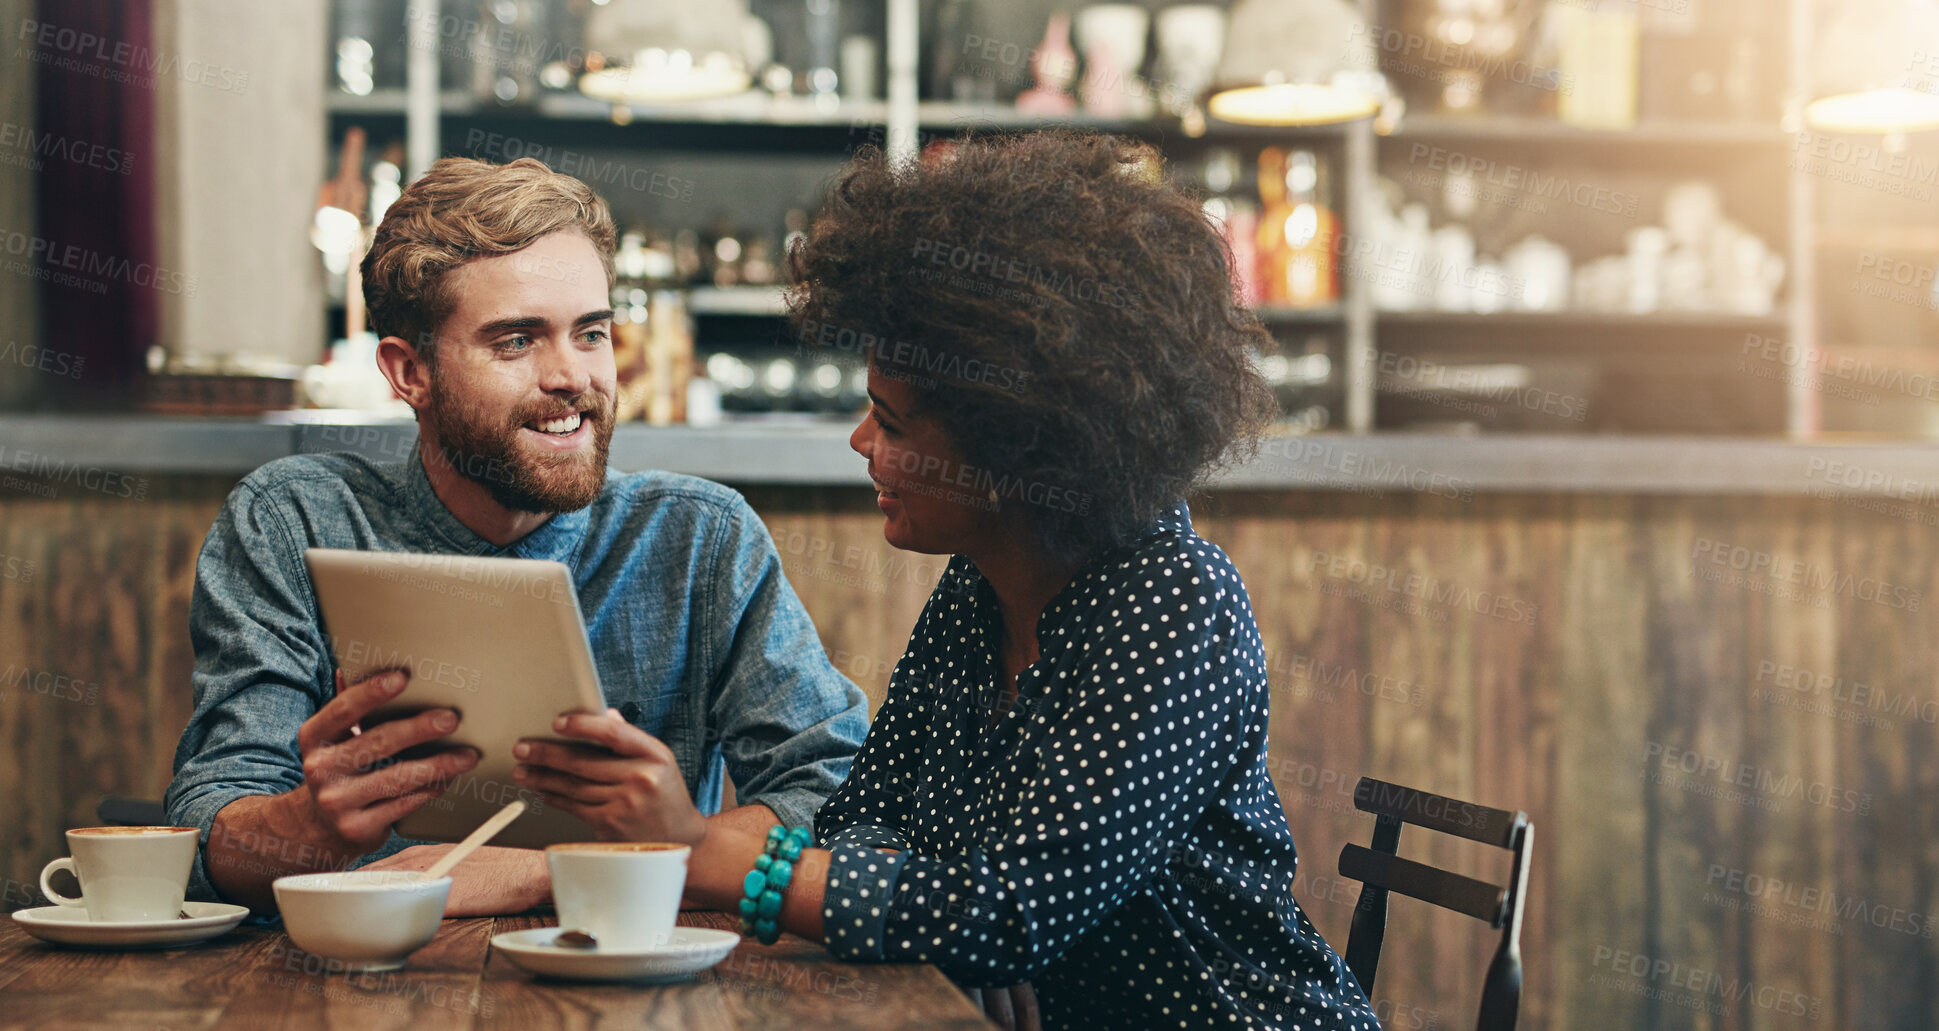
(498, 639)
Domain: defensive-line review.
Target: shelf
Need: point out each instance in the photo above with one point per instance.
(736, 300)
(1496, 129)
(816, 452)
(1274, 314)
(756, 107)
(1538, 320)
(390, 102)
(1923, 239)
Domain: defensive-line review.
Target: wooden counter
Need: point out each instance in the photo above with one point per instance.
(1731, 771)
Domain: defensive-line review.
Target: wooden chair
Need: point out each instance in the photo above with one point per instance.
(1380, 871)
(116, 811)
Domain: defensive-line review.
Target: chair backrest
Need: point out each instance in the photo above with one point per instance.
(1381, 870)
(116, 811)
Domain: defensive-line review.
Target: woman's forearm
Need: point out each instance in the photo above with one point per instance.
(717, 873)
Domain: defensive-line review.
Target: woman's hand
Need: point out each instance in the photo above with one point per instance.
(1012, 1009)
(622, 781)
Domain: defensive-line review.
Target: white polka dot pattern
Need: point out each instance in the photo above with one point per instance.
(1113, 838)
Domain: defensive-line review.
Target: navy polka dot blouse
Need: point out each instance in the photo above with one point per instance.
(1112, 837)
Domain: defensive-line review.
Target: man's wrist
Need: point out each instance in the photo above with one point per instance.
(294, 815)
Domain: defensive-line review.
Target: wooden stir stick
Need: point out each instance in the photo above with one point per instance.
(485, 832)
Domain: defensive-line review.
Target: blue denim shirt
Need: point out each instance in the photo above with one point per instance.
(697, 636)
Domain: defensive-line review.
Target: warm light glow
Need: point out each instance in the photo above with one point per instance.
(1290, 103)
(1892, 109)
(671, 81)
(335, 230)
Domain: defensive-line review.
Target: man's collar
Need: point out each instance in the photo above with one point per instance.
(556, 538)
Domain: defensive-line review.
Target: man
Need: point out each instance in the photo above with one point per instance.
(490, 288)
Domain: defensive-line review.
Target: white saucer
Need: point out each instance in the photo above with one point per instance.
(692, 950)
(69, 925)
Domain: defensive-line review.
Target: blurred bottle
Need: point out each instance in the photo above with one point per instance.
(1598, 59)
(824, 34)
(757, 261)
(630, 324)
(658, 260)
(355, 56)
(1297, 232)
(669, 359)
(1237, 216)
(726, 254)
(688, 269)
(505, 51)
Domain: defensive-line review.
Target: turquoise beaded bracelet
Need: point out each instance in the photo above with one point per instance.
(773, 869)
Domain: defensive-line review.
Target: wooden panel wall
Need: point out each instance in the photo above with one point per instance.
(1731, 771)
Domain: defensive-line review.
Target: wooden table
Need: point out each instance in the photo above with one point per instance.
(254, 977)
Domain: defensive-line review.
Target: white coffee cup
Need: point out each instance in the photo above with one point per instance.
(625, 894)
(127, 873)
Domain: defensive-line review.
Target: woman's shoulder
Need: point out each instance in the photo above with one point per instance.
(1170, 564)
(1168, 591)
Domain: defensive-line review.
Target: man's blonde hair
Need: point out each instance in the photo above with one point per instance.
(463, 209)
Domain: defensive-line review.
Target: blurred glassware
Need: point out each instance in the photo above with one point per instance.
(1482, 39)
(1454, 264)
(1297, 62)
(1310, 229)
(1403, 286)
(735, 380)
(824, 23)
(858, 68)
(703, 402)
(776, 386)
(1598, 62)
(1112, 39)
(356, 58)
(1540, 269)
(350, 378)
(688, 264)
(1647, 247)
(1053, 66)
(1490, 289)
(506, 50)
(1190, 39)
(945, 71)
(757, 261)
(1236, 214)
(669, 359)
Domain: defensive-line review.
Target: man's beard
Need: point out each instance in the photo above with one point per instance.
(485, 450)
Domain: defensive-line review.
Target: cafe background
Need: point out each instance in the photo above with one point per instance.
(1604, 487)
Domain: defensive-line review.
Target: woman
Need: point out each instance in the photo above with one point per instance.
(1066, 784)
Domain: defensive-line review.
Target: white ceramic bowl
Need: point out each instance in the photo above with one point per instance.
(364, 919)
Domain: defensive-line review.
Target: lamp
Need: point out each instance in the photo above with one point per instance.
(678, 51)
(1297, 62)
(1876, 71)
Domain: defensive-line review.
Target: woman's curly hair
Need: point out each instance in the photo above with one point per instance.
(1066, 313)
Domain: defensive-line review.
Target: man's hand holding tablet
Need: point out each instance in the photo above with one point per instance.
(356, 786)
(354, 789)
(623, 781)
